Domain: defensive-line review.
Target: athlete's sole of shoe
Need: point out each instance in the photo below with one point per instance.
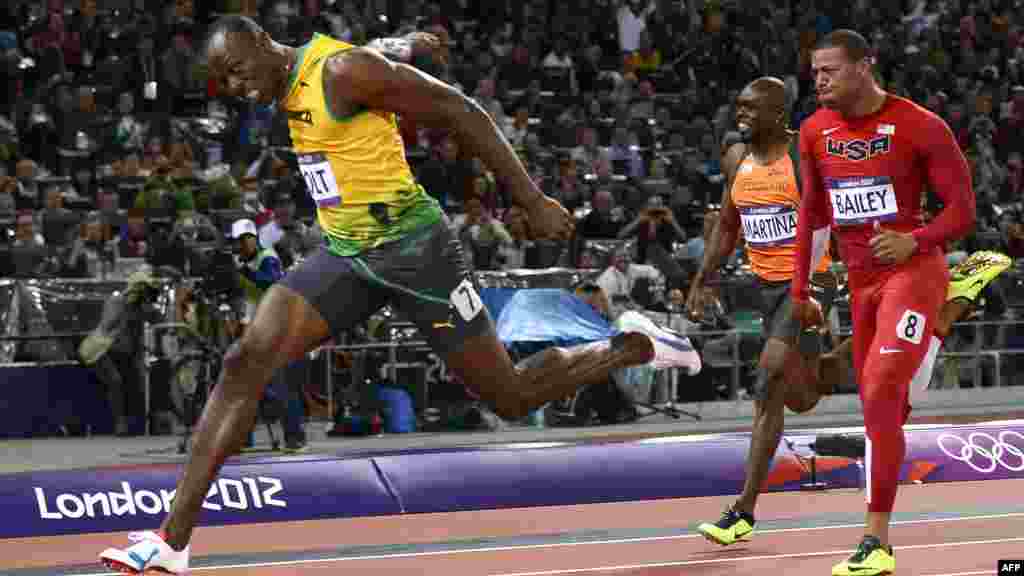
(126, 569)
(707, 536)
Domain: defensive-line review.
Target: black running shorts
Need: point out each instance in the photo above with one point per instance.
(424, 276)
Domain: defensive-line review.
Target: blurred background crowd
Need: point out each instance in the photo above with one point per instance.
(111, 136)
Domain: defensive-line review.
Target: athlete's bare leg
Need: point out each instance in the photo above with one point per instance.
(514, 390)
(769, 415)
(837, 362)
(284, 328)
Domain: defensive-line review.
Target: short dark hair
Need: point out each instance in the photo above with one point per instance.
(854, 45)
(588, 288)
(233, 23)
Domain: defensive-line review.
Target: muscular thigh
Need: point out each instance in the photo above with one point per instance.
(909, 303)
(863, 309)
(777, 312)
(335, 288)
(432, 285)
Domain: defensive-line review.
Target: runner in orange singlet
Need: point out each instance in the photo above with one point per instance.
(762, 198)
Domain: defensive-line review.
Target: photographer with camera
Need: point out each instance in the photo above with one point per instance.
(656, 230)
(655, 225)
(259, 268)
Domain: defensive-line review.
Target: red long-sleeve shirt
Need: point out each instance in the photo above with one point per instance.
(858, 171)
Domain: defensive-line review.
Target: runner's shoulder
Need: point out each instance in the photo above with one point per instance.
(919, 122)
(822, 119)
(734, 154)
(908, 110)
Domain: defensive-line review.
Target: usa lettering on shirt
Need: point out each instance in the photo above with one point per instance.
(862, 200)
(768, 225)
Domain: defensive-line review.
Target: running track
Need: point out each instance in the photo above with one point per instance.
(948, 529)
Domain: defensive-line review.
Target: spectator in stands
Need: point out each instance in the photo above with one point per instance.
(446, 174)
(8, 188)
(182, 163)
(144, 74)
(179, 65)
(519, 253)
(517, 72)
(82, 130)
(1013, 187)
(587, 153)
(129, 132)
(693, 174)
(632, 18)
(25, 232)
(624, 154)
(27, 249)
(297, 239)
(588, 70)
(485, 98)
(567, 187)
(517, 128)
(59, 223)
(27, 172)
(1010, 134)
(620, 278)
(93, 253)
(559, 60)
(646, 59)
(133, 235)
(654, 226)
(481, 234)
(694, 247)
(641, 107)
(605, 220)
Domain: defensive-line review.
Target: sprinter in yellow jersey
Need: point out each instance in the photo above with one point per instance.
(761, 201)
(387, 241)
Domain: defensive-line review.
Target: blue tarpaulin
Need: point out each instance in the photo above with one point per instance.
(530, 320)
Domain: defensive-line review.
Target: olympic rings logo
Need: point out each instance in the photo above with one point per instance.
(990, 451)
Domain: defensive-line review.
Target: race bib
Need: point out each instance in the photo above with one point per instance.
(768, 225)
(862, 200)
(320, 180)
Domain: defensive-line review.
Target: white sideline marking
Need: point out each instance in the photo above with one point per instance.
(513, 547)
(755, 558)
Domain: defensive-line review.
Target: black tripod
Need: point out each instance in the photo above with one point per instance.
(195, 372)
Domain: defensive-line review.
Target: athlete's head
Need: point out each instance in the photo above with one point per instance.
(244, 233)
(841, 65)
(592, 294)
(761, 109)
(245, 62)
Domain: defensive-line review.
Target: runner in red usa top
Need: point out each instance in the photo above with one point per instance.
(868, 157)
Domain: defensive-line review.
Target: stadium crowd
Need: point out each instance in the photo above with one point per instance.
(620, 108)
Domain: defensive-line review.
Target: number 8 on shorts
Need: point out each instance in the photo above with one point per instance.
(911, 327)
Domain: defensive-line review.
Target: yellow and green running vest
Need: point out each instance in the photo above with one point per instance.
(354, 166)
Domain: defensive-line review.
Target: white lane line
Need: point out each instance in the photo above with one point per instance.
(524, 547)
(737, 559)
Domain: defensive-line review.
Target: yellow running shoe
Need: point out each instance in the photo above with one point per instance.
(970, 277)
(870, 559)
(733, 527)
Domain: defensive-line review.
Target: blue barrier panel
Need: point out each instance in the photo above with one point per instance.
(680, 467)
(566, 475)
(366, 484)
(37, 401)
(134, 498)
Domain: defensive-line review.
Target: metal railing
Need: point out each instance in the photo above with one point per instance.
(733, 338)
